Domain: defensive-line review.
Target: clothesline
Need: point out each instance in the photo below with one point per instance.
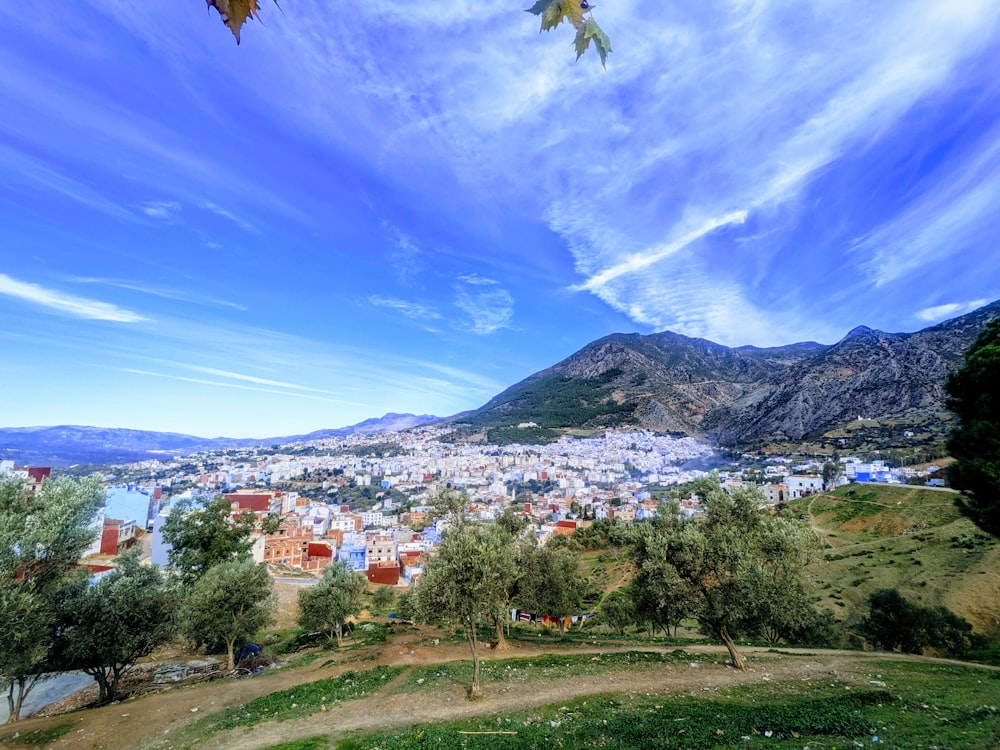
(519, 615)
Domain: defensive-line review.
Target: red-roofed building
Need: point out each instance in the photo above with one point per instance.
(565, 528)
(38, 473)
(117, 536)
(258, 503)
(386, 573)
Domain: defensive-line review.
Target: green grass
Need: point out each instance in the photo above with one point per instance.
(907, 538)
(542, 667)
(906, 706)
(37, 736)
(319, 742)
(301, 700)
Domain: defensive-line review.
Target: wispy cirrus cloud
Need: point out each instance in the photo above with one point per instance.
(952, 218)
(291, 393)
(37, 173)
(229, 215)
(160, 209)
(67, 304)
(488, 306)
(161, 292)
(404, 255)
(721, 127)
(413, 310)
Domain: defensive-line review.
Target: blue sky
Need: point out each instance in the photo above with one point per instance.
(394, 206)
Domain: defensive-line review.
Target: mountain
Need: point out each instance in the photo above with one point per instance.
(391, 422)
(742, 396)
(70, 444)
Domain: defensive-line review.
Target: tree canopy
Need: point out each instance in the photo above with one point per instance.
(466, 582)
(552, 584)
(42, 535)
(326, 606)
(200, 537)
(974, 396)
(229, 603)
(106, 628)
(737, 569)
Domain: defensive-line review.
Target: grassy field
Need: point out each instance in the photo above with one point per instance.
(901, 706)
(543, 667)
(908, 538)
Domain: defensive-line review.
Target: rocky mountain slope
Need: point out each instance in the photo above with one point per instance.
(742, 396)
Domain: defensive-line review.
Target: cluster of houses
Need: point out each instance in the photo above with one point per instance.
(556, 487)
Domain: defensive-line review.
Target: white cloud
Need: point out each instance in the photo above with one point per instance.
(489, 307)
(476, 280)
(78, 307)
(409, 309)
(162, 293)
(236, 386)
(950, 310)
(225, 214)
(404, 255)
(160, 209)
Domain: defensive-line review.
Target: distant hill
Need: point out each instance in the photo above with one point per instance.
(743, 396)
(70, 444)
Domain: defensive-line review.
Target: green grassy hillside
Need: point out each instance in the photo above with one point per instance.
(908, 538)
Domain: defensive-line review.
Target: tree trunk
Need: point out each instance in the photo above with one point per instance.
(117, 674)
(735, 655)
(501, 644)
(14, 703)
(475, 692)
(102, 685)
(230, 644)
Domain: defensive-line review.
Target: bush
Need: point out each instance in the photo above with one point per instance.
(895, 624)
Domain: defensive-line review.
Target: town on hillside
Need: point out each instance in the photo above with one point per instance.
(369, 500)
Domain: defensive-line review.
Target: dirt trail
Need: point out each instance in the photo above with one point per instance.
(153, 720)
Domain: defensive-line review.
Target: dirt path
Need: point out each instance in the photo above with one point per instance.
(153, 720)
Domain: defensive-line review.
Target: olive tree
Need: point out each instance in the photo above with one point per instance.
(42, 536)
(465, 582)
(734, 562)
(551, 584)
(230, 602)
(107, 627)
(326, 606)
(201, 536)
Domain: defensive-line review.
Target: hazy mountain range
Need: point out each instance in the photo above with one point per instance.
(743, 396)
(69, 444)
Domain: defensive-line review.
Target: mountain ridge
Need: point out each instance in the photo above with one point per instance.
(62, 445)
(742, 396)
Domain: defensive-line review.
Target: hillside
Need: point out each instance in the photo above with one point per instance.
(908, 538)
(913, 539)
(409, 693)
(744, 396)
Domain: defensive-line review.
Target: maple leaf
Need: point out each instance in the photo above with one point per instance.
(234, 13)
(540, 7)
(588, 31)
(554, 12)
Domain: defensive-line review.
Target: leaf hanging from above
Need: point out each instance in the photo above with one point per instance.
(554, 12)
(590, 30)
(234, 13)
